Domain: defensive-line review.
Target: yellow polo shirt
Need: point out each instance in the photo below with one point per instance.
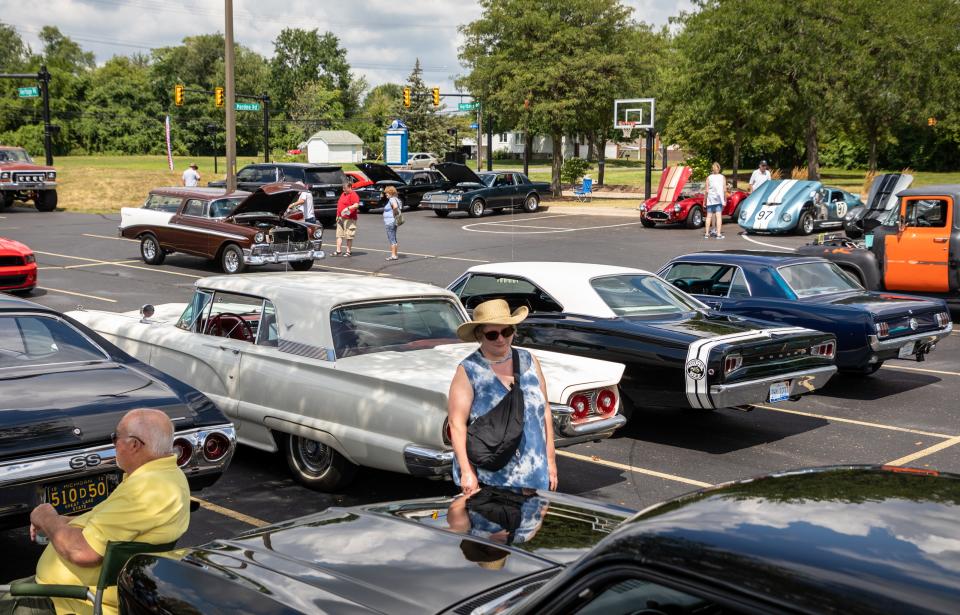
(151, 504)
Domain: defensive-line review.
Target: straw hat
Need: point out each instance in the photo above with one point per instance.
(493, 312)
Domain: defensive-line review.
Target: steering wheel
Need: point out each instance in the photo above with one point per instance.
(682, 284)
(228, 324)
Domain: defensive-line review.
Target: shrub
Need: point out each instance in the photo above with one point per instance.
(700, 167)
(573, 169)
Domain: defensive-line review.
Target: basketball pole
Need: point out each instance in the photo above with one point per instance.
(649, 165)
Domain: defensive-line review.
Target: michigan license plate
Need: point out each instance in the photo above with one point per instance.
(75, 496)
(907, 350)
(780, 391)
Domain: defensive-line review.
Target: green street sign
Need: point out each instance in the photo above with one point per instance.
(28, 92)
(471, 106)
(246, 106)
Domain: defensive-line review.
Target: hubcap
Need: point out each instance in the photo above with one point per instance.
(531, 203)
(477, 208)
(231, 260)
(314, 457)
(697, 218)
(149, 249)
(808, 224)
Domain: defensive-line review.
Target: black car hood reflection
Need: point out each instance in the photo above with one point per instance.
(458, 173)
(379, 172)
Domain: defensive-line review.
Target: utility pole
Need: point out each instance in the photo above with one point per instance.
(44, 77)
(230, 102)
(266, 127)
(479, 136)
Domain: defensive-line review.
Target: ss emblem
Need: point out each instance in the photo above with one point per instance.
(84, 461)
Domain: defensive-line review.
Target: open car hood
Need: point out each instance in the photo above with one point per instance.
(379, 172)
(671, 186)
(458, 173)
(884, 190)
(270, 198)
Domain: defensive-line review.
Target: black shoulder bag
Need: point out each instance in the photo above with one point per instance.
(494, 437)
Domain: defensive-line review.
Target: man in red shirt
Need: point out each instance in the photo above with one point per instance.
(348, 205)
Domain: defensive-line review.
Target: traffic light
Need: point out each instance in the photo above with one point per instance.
(406, 97)
(218, 96)
(178, 95)
(436, 97)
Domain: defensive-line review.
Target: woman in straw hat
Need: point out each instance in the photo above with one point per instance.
(481, 381)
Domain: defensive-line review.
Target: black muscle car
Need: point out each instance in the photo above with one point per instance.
(475, 193)
(411, 185)
(677, 351)
(861, 540)
(63, 389)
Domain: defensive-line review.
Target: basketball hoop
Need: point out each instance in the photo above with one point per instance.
(626, 128)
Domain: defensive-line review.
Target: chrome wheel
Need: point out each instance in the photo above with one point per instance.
(531, 204)
(313, 457)
(150, 250)
(476, 209)
(231, 260)
(317, 465)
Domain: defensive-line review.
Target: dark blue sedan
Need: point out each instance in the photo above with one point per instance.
(812, 292)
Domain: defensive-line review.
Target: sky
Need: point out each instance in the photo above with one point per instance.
(383, 38)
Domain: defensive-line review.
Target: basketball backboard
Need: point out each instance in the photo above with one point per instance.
(635, 113)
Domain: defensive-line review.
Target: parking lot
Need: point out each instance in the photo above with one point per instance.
(903, 415)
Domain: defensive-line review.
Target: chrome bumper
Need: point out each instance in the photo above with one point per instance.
(423, 461)
(281, 257)
(566, 432)
(24, 186)
(930, 337)
(758, 391)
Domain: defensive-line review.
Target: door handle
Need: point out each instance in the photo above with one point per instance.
(233, 350)
(940, 240)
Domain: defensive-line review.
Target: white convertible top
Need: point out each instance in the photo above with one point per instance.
(567, 283)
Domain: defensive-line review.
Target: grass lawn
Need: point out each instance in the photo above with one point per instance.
(104, 184)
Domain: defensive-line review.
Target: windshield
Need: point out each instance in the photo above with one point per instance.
(43, 340)
(396, 326)
(15, 155)
(643, 295)
(326, 176)
(487, 179)
(809, 279)
(405, 175)
(221, 208)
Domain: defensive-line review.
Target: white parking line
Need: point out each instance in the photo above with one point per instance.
(226, 512)
(96, 260)
(437, 256)
(837, 419)
(922, 370)
(467, 227)
(373, 273)
(925, 452)
(625, 467)
(108, 237)
(769, 245)
(70, 292)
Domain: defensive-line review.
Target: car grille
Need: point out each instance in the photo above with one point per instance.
(11, 261)
(29, 177)
(12, 280)
(281, 248)
(658, 215)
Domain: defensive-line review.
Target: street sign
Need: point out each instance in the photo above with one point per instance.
(470, 106)
(474, 125)
(254, 106)
(29, 92)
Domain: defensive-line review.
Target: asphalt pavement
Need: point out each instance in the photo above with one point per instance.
(903, 415)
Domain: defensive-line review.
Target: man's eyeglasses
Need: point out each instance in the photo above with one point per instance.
(114, 437)
(493, 335)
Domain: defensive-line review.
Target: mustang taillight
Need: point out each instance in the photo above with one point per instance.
(732, 363)
(581, 406)
(943, 319)
(607, 402)
(825, 349)
(883, 329)
(183, 450)
(215, 447)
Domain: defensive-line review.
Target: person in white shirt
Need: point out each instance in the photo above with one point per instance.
(716, 197)
(305, 202)
(191, 177)
(759, 176)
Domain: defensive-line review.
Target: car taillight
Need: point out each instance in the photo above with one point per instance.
(607, 402)
(732, 363)
(581, 406)
(447, 433)
(825, 349)
(883, 329)
(215, 446)
(943, 319)
(183, 450)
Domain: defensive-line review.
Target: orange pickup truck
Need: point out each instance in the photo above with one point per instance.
(919, 252)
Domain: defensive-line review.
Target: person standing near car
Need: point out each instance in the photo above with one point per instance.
(390, 212)
(761, 175)
(347, 207)
(716, 197)
(480, 382)
(305, 202)
(190, 177)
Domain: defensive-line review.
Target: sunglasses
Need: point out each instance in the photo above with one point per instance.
(493, 335)
(114, 437)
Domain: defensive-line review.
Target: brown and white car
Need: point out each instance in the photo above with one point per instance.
(22, 179)
(237, 230)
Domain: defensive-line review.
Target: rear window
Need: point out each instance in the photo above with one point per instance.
(395, 326)
(43, 340)
(160, 202)
(642, 295)
(810, 279)
(326, 176)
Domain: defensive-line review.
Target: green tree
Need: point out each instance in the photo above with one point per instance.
(14, 53)
(307, 56)
(428, 131)
(378, 110)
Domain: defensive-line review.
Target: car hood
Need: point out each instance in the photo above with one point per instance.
(882, 303)
(379, 172)
(9, 246)
(398, 558)
(458, 173)
(46, 409)
(23, 166)
(884, 190)
(270, 198)
(670, 188)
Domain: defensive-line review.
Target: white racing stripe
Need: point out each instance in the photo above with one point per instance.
(781, 191)
(698, 356)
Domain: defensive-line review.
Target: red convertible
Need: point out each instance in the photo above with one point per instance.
(680, 202)
(18, 267)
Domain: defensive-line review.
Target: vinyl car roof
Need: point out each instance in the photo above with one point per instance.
(747, 257)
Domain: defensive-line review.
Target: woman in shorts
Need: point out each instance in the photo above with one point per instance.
(390, 212)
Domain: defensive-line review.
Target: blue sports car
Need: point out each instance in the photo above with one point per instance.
(792, 205)
(812, 292)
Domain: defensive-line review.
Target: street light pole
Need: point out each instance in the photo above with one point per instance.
(230, 97)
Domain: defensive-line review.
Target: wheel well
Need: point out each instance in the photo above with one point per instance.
(532, 194)
(223, 247)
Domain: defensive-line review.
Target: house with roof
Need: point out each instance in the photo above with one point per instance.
(334, 146)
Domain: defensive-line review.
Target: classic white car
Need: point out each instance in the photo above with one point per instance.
(341, 370)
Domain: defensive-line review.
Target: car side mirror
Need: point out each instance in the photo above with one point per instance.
(147, 311)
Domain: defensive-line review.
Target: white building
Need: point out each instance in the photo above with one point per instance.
(334, 146)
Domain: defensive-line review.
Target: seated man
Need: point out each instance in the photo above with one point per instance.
(151, 504)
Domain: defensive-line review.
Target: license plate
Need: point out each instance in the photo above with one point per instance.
(330, 193)
(907, 350)
(780, 391)
(75, 496)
